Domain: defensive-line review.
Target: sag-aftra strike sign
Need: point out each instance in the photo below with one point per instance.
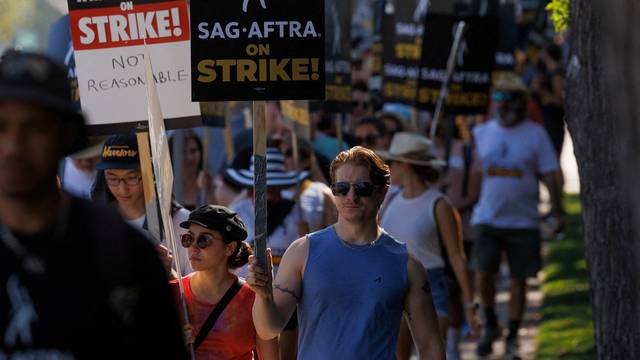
(108, 40)
(257, 50)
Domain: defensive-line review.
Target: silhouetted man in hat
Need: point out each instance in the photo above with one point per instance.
(75, 280)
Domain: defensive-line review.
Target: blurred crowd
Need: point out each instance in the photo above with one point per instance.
(488, 169)
(464, 202)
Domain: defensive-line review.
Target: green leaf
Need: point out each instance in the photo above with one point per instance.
(559, 14)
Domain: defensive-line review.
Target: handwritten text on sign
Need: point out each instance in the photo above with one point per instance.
(108, 38)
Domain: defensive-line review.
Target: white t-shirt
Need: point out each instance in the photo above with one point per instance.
(312, 205)
(181, 215)
(75, 181)
(412, 221)
(512, 159)
(280, 238)
(137, 222)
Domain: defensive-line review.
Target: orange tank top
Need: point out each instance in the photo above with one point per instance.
(233, 335)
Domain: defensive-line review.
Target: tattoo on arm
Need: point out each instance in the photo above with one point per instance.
(286, 291)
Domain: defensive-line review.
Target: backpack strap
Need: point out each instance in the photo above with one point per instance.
(467, 154)
(215, 313)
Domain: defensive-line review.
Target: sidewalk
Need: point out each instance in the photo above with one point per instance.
(529, 329)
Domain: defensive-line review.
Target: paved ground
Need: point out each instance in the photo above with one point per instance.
(529, 328)
(528, 331)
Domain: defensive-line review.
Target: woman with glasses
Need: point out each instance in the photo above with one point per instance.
(215, 245)
(421, 216)
(119, 182)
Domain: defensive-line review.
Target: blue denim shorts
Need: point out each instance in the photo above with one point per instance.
(439, 290)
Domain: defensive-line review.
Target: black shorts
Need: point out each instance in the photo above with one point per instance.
(522, 247)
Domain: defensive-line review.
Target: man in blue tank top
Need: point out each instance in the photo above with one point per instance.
(351, 281)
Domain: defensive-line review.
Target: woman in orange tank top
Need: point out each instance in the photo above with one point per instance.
(215, 248)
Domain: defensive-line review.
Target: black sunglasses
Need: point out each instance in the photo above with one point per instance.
(202, 241)
(361, 188)
(355, 104)
(367, 140)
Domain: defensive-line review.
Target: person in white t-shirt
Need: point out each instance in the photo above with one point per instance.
(284, 222)
(422, 217)
(515, 154)
(79, 170)
(316, 202)
(119, 181)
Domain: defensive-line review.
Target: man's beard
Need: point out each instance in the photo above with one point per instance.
(510, 115)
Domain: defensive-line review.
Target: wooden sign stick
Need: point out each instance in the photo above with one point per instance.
(150, 198)
(260, 182)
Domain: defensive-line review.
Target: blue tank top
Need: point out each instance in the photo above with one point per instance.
(352, 298)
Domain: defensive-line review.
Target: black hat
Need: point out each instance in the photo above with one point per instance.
(38, 79)
(120, 152)
(220, 219)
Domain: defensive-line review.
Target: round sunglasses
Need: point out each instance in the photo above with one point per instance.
(202, 241)
(360, 188)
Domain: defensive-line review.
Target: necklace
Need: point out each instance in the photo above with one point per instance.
(30, 262)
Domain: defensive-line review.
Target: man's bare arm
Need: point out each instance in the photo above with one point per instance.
(553, 181)
(421, 314)
(276, 300)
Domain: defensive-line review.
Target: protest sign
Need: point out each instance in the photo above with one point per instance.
(257, 50)
(213, 113)
(161, 159)
(108, 38)
(470, 83)
(402, 29)
(338, 56)
(375, 83)
(296, 116)
(507, 38)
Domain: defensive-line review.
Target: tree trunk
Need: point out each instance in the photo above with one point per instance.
(602, 106)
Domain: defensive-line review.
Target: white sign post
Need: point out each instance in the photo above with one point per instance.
(161, 160)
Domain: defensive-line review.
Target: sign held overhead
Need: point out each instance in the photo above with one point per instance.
(257, 50)
(108, 38)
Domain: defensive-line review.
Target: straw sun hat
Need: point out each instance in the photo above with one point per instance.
(411, 148)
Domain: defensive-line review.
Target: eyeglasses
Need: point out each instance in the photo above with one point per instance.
(360, 188)
(367, 140)
(363, 104)
(202, 241)
(129, 181)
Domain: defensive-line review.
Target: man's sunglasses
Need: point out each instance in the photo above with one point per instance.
(202, 241)
(361, 188)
